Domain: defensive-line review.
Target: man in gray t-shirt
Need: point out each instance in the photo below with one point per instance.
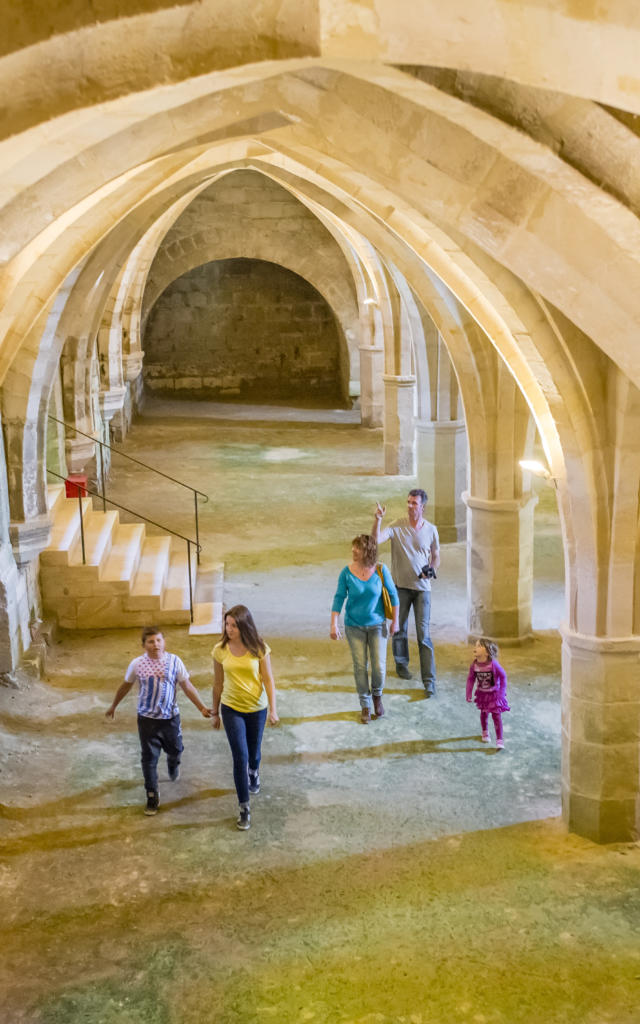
(414, 546)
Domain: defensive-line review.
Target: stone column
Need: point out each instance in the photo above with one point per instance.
(442, 471)
(371, 389)
(399, 425)
(600, 736)
(500, 566)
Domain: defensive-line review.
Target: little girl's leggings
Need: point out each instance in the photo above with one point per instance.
(497, 721)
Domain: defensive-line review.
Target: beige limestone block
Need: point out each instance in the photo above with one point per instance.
(500, 566)
(442, 471)
(399, 429)
(601, 736)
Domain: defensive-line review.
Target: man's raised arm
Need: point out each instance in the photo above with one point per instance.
(378, 534)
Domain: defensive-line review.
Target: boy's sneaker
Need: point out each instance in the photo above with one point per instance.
(153, 802)
(254, 782)
(174, 772)
(485, 737)
(244, 819)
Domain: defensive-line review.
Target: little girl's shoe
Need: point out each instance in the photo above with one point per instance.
(500, 744)
(485, 737)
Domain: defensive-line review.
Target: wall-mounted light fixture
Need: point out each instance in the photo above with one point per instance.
(538, 469)
(369, 302)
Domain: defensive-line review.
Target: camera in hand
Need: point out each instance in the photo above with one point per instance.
(427, 573)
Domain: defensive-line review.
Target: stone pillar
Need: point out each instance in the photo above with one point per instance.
(500, 566)
(399, 425)
(600, 736)
(442, 471)
(371, 390)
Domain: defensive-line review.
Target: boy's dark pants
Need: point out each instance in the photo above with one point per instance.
(158, 734)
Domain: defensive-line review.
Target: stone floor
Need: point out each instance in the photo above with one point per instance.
(396, 872)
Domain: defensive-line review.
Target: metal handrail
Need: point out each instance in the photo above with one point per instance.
(104, 444)
(82, 491)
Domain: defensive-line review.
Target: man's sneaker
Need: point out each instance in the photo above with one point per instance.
(174, 772)
(403, 672)
(365, 715)
(153, 802)
(485, 737)
(378, 707)
(244, 819)
(254, 782)
(429, 690)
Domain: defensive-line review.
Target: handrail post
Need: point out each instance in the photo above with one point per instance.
(190, 583)
(84, 557)
(104, 489)
(195, 500)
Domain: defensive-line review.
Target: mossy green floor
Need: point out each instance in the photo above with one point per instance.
(396, 872)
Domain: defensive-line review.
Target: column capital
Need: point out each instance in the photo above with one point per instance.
(600, 644)
(441, 426)
(132, 365)
(111, 401)
(508, 505)
(29, 538)
(399, 381)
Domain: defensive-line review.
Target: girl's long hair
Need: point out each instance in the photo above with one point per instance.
(490, 647)
(247, 629)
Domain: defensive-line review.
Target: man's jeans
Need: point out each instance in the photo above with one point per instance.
(421, 601)
(368, 643)
(156, 735)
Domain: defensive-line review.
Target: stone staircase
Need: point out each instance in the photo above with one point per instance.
(129, 578)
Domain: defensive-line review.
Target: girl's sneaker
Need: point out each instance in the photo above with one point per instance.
(500, 744)
(244, 819)
(254, 782)
(485, 737)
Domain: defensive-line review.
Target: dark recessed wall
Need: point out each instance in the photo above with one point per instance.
(242, 328)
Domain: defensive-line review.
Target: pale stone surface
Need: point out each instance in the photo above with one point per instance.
(442, 467)
(502, 213)
(600, 735)
(500, 567)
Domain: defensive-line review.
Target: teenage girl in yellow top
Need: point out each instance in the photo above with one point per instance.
(243, 692)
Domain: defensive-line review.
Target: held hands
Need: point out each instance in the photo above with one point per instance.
(380, 510)
(207, 712)
(216, 721)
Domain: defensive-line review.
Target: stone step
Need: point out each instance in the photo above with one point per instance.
(124, 558)
(99, 528)
(148, 584)
(176, 588)
(65, 530)
(55, 494)
(208, 608)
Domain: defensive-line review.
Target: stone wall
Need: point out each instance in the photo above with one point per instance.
(243, 328)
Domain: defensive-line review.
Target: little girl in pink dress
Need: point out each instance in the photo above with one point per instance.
(490, 682)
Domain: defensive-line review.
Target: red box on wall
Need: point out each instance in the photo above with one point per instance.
(75, 484)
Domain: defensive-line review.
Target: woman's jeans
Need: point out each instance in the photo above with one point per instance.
(368, 643)
(421, 602)
(244, 731)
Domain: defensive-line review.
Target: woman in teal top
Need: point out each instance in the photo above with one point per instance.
(360, 585)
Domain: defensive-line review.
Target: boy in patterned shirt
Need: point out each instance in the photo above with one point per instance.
(157, 672)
